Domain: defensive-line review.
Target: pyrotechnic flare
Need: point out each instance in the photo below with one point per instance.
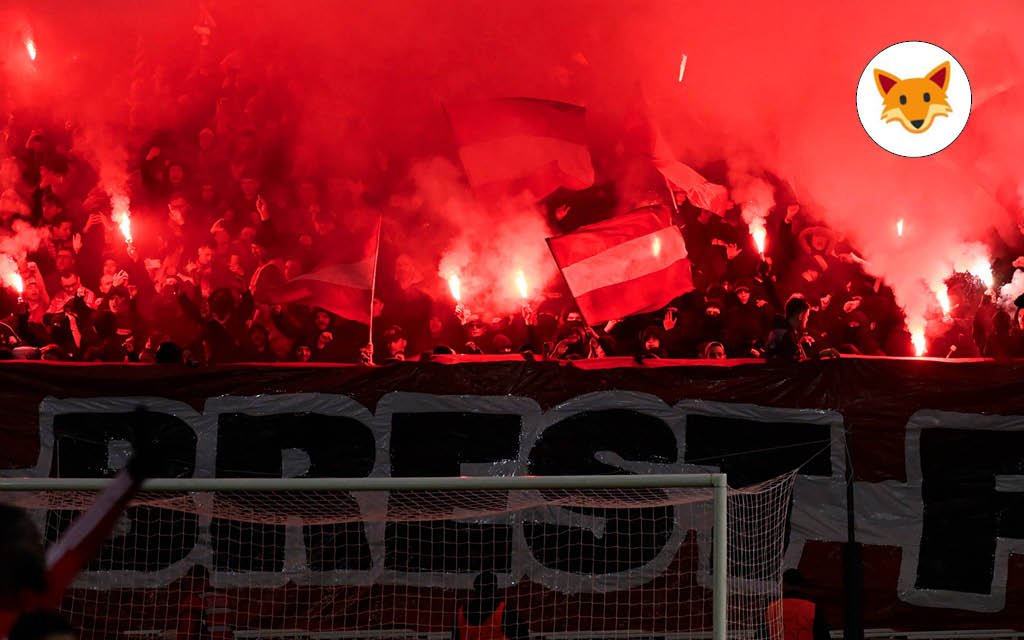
(455, 287)
(15, 281)
(682, 67)
(656, 247)
(13, 278)
(942, 295)
(30, 48)
(759, 234)
(523, 293)
(920, 347)
(121, 214)
(899, 227)
(521, 285)
(126, 227)
(982, 270)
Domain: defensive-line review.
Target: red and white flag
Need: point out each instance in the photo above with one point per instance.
(700, 192)
(647, 140)
(344, 289)
(511, 145)
(622, 266)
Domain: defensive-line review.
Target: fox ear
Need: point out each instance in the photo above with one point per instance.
(884, 81)
(940, 75)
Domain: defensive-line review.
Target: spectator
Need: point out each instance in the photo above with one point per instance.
(745, 322)
(714, 351)
(788, 340)
(394, 345)
(486, 615)
(800, 617)
(651, 340)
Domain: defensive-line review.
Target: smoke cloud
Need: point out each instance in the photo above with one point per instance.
(767, 88)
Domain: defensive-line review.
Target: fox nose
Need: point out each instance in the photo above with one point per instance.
(917, 123)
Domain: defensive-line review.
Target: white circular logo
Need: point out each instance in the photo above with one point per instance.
(913, 99)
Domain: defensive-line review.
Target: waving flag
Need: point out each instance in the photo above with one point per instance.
(626, 265)
(700, 192)
(511, 145)
(647, 141)
(344, 289)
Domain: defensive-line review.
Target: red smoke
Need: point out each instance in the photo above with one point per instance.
(768, 87)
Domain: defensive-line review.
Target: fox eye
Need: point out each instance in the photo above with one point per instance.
(927, 97)
(903, 99)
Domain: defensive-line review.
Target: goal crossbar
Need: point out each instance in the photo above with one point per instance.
(461, 483)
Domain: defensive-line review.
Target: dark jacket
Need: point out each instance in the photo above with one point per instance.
(784, 343)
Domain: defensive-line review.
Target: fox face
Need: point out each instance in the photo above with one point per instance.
(914, 102)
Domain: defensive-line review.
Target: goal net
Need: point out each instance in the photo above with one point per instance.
(598, 560)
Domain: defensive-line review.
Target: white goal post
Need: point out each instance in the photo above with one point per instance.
(560, 515)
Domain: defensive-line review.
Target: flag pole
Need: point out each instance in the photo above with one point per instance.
(373, 279)
(671, 195)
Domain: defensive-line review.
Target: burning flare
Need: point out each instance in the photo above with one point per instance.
(656, 246)
(682, 67)
(30, 48)
(982, 270)
(14, 281)
(920, 347)
(943, 297)
(759, 234)
(121, 214)
(521, 284)
(126, 227)
(899, 227)
(455, 287)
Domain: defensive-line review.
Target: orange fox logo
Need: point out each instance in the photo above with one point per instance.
(914, 102)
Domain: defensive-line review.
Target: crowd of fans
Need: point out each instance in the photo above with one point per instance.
(218, 215)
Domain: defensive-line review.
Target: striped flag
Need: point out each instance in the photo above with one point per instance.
(513, 145)
(626, 265)
(647, 140)
(699, 191)
(344, 289)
